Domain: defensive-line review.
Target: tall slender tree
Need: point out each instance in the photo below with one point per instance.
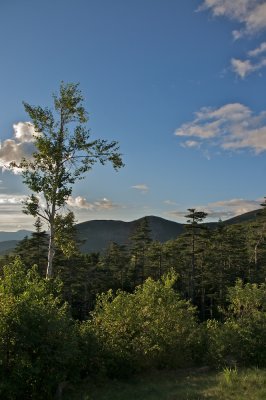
(194, 232)
(140, 241)
(64, 153)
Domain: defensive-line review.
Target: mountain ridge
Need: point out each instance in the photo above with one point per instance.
(96, 235)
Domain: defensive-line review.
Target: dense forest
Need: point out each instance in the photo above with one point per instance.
(206, 261)
(197, 300)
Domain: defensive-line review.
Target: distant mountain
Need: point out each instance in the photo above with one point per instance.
(9, 240)
(96, 235)
(19, 235)
(246, 217)
(7, 246)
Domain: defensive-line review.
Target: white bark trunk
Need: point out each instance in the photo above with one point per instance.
(51, 252)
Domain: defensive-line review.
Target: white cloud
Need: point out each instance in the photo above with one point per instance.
(259, 50)
(81, 203)
(242, 68)
(170, 203)
(22, 145)
(24, 132)
(245, 67)
(105, 204)
(231, 208)
(256, 18)
(6, 199)
(250, 13)
(142, 187)
(11, 215)
(191, 144)
(235, 128)
(223, 209)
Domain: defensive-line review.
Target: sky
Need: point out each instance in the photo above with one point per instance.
(180, 84)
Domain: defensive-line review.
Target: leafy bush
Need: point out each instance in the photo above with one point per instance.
(151, 327)
(241, 339)
(38, 340)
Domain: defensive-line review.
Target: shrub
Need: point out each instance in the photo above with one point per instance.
(38, 346)
(241, 339)
(151, 327)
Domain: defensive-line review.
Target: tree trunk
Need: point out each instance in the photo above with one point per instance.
(51, 253)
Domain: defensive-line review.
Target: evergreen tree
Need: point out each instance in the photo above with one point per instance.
(256, 237)
(140, 242)
(116, 259)
(33, 250)
(194, 232)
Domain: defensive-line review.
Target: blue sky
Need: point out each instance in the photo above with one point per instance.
(180, 84)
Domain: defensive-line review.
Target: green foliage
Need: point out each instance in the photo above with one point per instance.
(33, 250)
(230, 375)
(64, 153)
(38, 340)
(140, 242)
(64, 234)
(150, 327)
(241, 339)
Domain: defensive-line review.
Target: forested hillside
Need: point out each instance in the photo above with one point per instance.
(96, 235)
(207, 259)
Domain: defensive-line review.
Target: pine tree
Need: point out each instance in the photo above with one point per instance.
(194, 232)
(33, 250)
(116, 260)
(140, 242)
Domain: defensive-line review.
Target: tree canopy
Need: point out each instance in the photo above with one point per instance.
(64, 153)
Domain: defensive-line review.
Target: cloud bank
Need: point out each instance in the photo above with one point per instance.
(11, 215)
(21, 145)
(251, 14)
(223, 209)
(80, 202)
(230, 127)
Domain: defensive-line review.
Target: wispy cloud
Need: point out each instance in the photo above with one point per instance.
(81, 203)
(170, 203)
(21, 145)
(223, 209)
(141, 187)
(11, 216)
(230, 127)
(250, 13)
(258, 51)
(245, 67)
(6, 199)
(191, 144)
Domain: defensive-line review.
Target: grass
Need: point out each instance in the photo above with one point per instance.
(230, 384)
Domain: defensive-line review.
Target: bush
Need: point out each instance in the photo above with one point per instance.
(241, 339)
(151, 327)
(38, 346)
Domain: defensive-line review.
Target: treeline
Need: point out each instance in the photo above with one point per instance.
(196, 300)
(206, 261)
(44, 351)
